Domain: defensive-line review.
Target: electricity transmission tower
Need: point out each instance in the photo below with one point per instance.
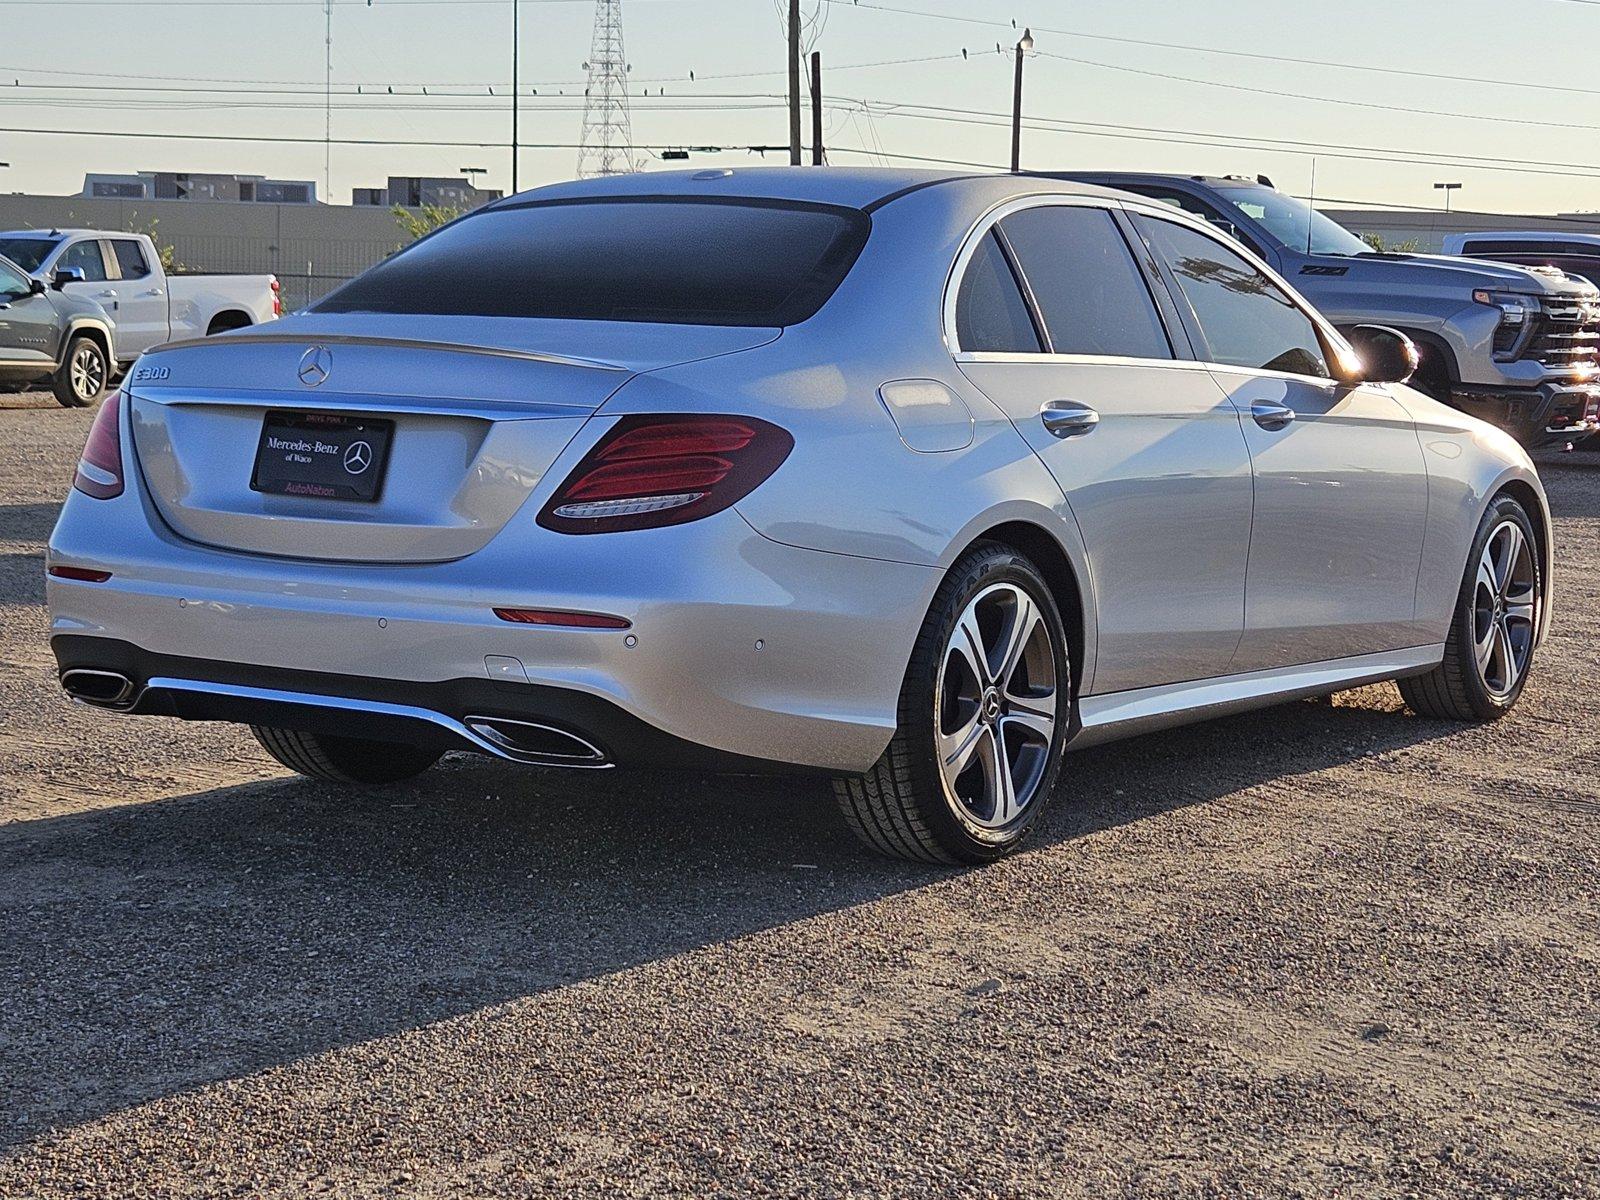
(606, 147)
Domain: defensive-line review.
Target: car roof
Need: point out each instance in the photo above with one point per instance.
(53, 231)
(1531, 235)
(851, 187)
(1102, 177)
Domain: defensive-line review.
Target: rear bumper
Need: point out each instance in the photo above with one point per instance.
(525, 723)
(742, 652)
(1534, 416)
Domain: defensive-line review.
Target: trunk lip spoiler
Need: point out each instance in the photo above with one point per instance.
(353, 339)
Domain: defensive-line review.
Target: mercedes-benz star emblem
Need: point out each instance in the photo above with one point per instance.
(357, 458)
(315, 365)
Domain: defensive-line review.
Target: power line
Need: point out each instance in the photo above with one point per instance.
(1340, 100)
(1434, 76)
(382, 83)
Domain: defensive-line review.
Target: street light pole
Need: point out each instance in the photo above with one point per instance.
(1024, 44)
(1447, 188)
(516, 55)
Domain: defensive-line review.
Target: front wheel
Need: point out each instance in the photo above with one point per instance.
(342, 759)
(82, 375)
(1489, 652)
(983, 718)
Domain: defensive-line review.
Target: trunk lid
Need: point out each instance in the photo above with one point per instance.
(480, 409)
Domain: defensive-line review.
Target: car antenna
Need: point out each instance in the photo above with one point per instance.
(1312, 216)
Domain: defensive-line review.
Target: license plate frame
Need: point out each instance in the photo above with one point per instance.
(314, 454)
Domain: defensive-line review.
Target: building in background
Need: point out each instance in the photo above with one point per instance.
(184, 185)
(419, 191)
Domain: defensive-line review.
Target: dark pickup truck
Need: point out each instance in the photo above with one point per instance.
(1518, 346)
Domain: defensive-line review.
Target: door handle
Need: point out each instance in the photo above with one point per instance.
(106, 295)
(1068, 418)
(1269, 414)
(154, 292)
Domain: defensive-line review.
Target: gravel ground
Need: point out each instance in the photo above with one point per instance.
(1330, 949)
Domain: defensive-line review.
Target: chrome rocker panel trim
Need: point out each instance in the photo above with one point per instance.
(1127, 714)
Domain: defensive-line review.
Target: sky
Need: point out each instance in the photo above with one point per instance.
(1370, 102)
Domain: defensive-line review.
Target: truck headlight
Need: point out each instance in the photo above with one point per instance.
(1514, 309)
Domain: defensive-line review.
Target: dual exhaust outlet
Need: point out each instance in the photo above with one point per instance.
(530, 742)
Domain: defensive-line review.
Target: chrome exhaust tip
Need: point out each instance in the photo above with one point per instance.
(104, 689)
(539, 745)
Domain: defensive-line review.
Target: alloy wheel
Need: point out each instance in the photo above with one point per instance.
(1505, 609)
(996, 705)
(88, 373)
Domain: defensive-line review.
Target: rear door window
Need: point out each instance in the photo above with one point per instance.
(991, 314)
(130, 258)
(1088, 288)
(1245, 318)
(745, 262)
(87, 258)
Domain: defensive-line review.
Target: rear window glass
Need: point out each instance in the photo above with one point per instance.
(695, 262)
(27, 252)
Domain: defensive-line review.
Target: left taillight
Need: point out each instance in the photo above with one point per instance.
(277, 298)
(100, 469)
(666, 469)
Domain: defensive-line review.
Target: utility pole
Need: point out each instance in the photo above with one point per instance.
(516, 95)
(327, 104)
(818, 155)
(794, 83)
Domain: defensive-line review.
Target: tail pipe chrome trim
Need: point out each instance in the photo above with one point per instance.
(529, 741)
(498, 736)
(104, 689)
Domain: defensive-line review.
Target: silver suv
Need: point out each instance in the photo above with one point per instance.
(1516, 346)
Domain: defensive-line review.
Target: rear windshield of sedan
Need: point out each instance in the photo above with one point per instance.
(686, 262)
(27, 253)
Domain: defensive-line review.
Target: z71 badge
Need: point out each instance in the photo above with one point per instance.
(151, 374)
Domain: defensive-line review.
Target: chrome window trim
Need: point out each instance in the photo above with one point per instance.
(1113, 360)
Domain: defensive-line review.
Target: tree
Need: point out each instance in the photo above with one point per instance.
(422, 221)
(1375, 240)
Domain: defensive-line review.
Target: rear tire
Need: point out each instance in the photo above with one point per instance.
(982, 720)
(1488, 655)
(344, 760)
(80, 380)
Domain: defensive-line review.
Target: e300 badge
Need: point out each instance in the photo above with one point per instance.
(151, 374)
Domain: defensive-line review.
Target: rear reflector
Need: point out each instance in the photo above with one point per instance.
(81, 574)
(555, 617)
(655, 470)
(100, 469)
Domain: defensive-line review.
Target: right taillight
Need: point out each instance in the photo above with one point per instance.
(100, 469)
(657, 470)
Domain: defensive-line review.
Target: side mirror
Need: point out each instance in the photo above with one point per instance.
(36, 287)
(1227, 227)
(66, 275)
(1387, 355)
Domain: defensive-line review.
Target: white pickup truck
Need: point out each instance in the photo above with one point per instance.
(122, 272)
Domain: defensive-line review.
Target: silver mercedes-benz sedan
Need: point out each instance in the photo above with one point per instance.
(909, 479)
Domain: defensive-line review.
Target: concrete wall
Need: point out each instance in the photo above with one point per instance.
(311, 248)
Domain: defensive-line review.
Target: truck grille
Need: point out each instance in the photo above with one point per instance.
(1565, 334)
